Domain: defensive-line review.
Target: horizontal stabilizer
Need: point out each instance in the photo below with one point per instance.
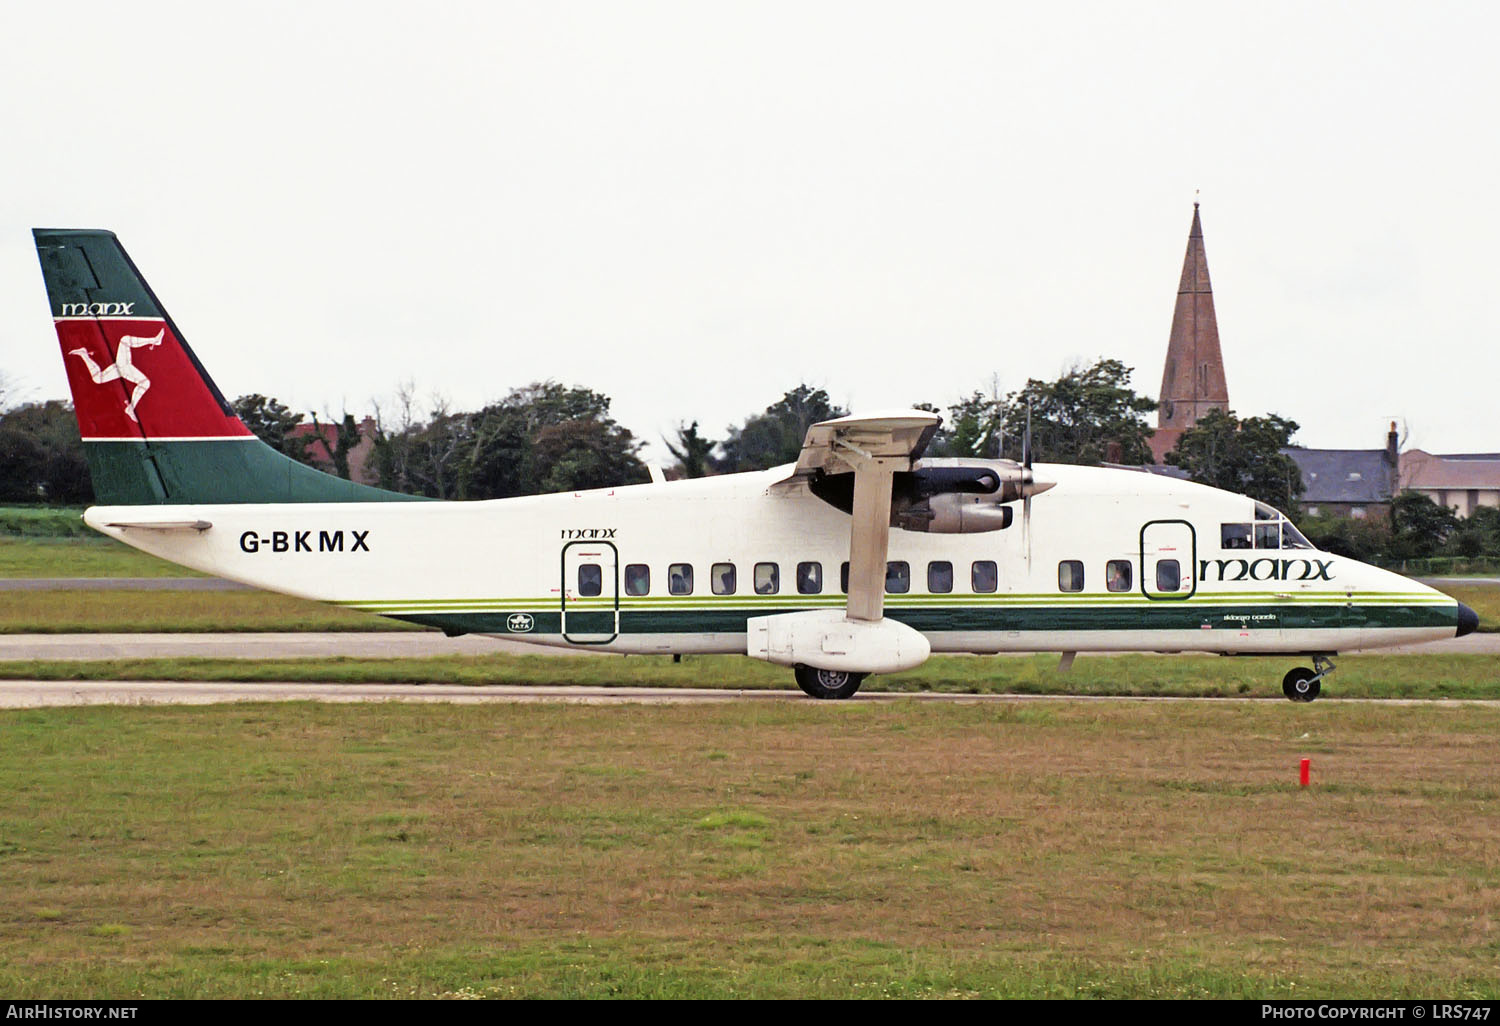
(162, 525)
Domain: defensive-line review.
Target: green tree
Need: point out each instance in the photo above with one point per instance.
(517, 446)
(272, 423)
(973, 427)
(345, 437)
(693, 452)
(586, 453)
(541, 438)
(41, 456)
(1477, 534)
(1367, 539)
(1242, 456)
(1420, 526)
(1088, 415)
(775, 437)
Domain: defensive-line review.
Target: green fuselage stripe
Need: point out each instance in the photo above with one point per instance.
(1145, 616)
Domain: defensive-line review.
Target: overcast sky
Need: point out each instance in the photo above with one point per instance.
(694, 206)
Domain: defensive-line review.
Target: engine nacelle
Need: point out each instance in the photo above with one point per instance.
(955, 513)
(827, 640)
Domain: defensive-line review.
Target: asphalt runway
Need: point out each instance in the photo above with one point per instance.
(413, 645)
(30, 694)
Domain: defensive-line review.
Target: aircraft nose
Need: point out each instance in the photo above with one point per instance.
(1468, 620)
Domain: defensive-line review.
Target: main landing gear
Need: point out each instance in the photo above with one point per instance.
(828, 683)
(1301, 684)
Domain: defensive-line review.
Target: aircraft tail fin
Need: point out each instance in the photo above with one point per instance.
(155, 427)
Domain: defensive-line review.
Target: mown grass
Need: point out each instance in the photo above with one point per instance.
(1484, 599)
(85, 611)
(43, 521)
(1362, 676)
(907, 850)
(90, 556)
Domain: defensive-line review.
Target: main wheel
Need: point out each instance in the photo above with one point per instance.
(1299, 685)
(828, 683)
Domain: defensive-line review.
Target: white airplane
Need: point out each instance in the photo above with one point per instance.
(861, 558)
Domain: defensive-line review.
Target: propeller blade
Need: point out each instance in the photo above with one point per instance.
(1026, 479)
(1026, 441)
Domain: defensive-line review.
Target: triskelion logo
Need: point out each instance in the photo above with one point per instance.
(123, 368)
(519, 623)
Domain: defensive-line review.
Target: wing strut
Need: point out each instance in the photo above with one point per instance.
(869, 538)
(875, 448)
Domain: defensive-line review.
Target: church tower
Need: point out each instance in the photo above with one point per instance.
(1192, 383)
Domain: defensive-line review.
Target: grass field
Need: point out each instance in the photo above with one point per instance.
(1484, 599)
(1360, 676)
(1044, 849)
(84, 612)
(91, 556)
(43, 521)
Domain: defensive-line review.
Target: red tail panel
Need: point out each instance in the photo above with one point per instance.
(131, 379)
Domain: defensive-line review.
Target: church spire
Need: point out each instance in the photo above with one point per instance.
(1192, 381)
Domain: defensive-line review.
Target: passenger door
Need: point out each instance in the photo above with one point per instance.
(590, 592)
(1169, 560)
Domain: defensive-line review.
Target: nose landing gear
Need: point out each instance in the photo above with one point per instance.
(1301, 684)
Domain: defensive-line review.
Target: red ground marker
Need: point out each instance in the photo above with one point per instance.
(1306, 772)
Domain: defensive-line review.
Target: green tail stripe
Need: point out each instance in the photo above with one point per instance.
(214, 471)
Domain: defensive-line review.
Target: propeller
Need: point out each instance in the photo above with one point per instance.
(1026, 479)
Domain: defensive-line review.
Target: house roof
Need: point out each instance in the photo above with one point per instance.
(1356, 476)
(1421, 469)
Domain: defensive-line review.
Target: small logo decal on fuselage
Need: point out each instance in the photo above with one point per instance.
(519, 623)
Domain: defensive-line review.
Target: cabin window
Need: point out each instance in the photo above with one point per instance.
(590, 579)
(1168, 575)
(1070, 575)
(897, 577)
(767, 578)
(637, 579)
(680, 578)
(939, 578)
(1117, 575)
(1234, 536)
(809, 578)
(721, 577)
(1268, 536)
(844, 577)
(985, 576)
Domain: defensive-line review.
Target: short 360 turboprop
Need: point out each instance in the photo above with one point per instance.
(861, 558)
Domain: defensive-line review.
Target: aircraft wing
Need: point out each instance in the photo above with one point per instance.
(835, 446)
(874, 448)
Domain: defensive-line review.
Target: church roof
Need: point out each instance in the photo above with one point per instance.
(1193, 380)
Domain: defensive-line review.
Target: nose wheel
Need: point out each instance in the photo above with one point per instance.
(1304, 685)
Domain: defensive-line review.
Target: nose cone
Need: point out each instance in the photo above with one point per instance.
(1468, 620)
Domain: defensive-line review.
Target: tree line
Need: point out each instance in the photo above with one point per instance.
(547, 437)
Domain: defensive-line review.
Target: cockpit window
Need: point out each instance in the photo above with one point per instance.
(1271, 530)
(1234, 536)
(1291, 538)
